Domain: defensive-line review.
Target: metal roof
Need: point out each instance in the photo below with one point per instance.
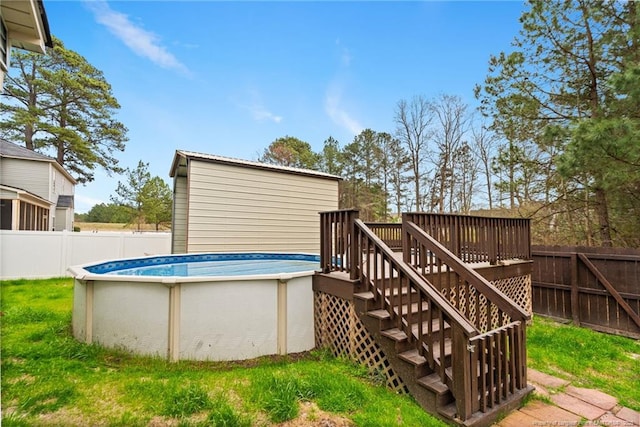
(245, 163)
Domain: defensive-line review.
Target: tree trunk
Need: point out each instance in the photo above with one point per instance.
(602, 210)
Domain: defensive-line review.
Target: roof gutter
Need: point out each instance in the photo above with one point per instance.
(45, 24)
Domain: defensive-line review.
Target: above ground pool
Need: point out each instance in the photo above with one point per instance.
(217, 265)
(211, 306)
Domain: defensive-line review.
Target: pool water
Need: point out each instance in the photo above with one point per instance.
(242, 264)
(221, 268)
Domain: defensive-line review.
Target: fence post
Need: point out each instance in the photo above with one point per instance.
(575, 306)
(65, 242)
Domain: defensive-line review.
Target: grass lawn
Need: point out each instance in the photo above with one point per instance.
(589, 359)
(50, 379)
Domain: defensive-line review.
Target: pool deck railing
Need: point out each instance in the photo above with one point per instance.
(426, 291)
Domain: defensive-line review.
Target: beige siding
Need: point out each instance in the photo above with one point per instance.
(64, 219)
(60, 184)
(236, 208)
(179, 226)
(27, 175)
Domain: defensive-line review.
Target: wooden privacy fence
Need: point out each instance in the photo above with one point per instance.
(594, 287)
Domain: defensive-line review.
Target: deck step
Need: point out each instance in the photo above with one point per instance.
(412, 357)
(435, 327)
(379, 314)
(364, 295)
(433, 383)
(449, 411)
(395, 334)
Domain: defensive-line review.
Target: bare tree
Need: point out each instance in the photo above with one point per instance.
(413, 120)
(393, 167)
(451, 124)
(483, 145)
(465, 172)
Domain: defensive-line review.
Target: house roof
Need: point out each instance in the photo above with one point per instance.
(182, 155)
(22, 194)
(11, 150)
(27, 24)
(64, 201)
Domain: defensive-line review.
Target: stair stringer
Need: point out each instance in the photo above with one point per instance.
(409, 374)
(438, 405)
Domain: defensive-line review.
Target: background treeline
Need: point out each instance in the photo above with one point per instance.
(556, 137)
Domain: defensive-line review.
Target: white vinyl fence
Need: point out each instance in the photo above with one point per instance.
(43, 254)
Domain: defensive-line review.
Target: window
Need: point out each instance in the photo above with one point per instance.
(4, 47)
(33, 217)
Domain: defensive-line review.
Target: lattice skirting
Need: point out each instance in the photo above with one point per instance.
(474, 306)
(518, 288)
(339, 329)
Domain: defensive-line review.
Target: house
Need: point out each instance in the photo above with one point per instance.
(23, 24)
(223, 204)
(36, 193)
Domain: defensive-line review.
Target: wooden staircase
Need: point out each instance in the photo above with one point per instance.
(466, 367)
(421, 379)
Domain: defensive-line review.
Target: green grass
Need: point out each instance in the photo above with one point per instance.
(48, 378)
(587, 358)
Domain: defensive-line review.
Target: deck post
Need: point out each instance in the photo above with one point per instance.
(461, 369)
(352, 245)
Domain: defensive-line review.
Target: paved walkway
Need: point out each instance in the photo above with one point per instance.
(571, 406)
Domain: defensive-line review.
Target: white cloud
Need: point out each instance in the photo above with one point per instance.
(257, 109)
(337, 113)
(144, 43)
(261, 114)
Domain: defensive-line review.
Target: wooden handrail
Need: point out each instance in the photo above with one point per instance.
(500, 359)
(389, 232)
(335, 235)
(419, 282)
(481, 284)
(476, 238)
(486, 368)
(375, 257)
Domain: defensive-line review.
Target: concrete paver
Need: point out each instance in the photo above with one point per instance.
(594, 397)
(577, 406)
(629, 415)
(546, 380)
(609, 419)
(518, 419)
(545, 412)
(571, 406)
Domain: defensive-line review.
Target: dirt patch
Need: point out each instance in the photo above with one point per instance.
(312, 416)
(65, 417)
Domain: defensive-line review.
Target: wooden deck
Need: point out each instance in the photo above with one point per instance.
(456, 339)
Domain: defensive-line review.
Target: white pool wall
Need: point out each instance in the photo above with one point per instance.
(217, 318)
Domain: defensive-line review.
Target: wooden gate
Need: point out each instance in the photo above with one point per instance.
(594, 287)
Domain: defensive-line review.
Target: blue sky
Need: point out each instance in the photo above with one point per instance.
(230, 77)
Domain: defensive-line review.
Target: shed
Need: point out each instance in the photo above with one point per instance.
(223, 204)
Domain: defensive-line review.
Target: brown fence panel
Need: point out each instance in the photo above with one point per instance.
(594, 287)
